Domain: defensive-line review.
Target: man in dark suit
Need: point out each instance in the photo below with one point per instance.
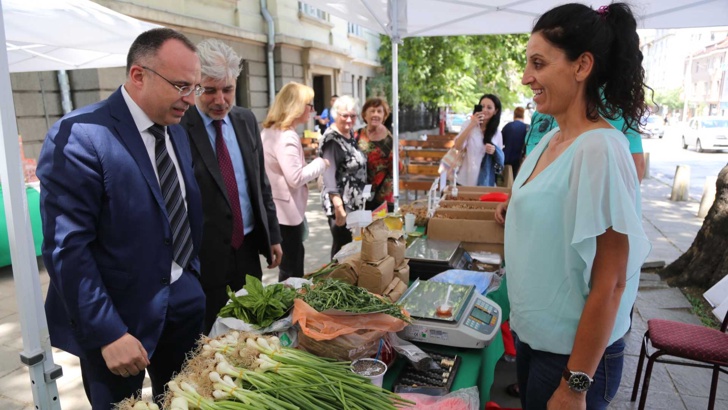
(122, 224)
(514, 138)
(240, 216)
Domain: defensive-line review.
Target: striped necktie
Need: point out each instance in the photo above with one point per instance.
(172, 193)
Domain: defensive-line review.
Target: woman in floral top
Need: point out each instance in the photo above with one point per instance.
(344, 181)
(376, 142)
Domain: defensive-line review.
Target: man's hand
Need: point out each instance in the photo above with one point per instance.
(276, 253)
(125, 356)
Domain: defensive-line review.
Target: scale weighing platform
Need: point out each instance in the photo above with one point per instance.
(473, 321)
(428, 257)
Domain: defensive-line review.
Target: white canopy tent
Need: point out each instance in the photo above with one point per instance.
(421, 18)
(44, 35)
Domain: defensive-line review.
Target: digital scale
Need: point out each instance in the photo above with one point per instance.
(428, 257)
(473, 323)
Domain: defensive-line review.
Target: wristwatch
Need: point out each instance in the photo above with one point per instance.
(578, 381)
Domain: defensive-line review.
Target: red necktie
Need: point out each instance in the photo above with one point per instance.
(228, 175)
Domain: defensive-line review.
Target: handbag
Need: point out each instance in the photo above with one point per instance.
(452, 160)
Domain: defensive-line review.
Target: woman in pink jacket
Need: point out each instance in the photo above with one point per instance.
(288, 172)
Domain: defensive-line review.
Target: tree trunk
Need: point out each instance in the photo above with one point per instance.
(706, 262)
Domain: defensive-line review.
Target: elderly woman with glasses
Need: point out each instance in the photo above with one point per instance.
(344, 181)
(288, 172)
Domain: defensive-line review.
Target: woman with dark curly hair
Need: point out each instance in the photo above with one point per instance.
(574, 242)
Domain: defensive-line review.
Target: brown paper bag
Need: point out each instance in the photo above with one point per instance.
(396, 245)
(376, 276)
(403, 272)
(374, 241)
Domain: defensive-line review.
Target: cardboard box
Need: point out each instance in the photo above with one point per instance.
(478, 189)
(376, 276)
(396, 245)
(374, 241)
(450, 204)
(485, 247)
(465, 226)
(403, 271)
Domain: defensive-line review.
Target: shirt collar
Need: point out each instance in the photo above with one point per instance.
(207, 120)
(141, 119)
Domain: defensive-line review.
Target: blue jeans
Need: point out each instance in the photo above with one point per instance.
(539, 374)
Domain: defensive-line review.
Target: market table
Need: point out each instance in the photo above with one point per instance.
(33, 197)
(477, 366)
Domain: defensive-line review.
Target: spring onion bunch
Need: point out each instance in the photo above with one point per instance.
(242, 371)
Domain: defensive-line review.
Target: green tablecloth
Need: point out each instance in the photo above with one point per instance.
(477, 366)
(35, 222)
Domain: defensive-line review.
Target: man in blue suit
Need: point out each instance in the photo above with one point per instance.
(122, 224)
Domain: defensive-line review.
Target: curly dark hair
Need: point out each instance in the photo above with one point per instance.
(616, 85)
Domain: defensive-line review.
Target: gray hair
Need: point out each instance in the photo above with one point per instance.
(218, 60)
(344, 103)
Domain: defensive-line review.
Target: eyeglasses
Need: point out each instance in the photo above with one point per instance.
(183, 90)
(347, 116)
(311, 106)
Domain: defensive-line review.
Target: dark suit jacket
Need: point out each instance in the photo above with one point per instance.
(217, 230)
(514, 137)
(107, 241)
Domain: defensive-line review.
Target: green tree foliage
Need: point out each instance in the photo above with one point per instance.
(671, 99)
(454, 71)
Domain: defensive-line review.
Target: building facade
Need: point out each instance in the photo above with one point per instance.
(279, 41)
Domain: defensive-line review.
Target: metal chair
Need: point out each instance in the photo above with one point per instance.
(700, 346)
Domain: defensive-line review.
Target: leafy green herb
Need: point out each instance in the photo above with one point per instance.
(262, 306)
(334, 294)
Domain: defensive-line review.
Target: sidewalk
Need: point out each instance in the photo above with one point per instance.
(670, 226)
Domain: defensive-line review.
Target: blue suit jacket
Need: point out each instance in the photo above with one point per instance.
(107, 240)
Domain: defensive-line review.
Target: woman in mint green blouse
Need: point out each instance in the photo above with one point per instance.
(574, 242)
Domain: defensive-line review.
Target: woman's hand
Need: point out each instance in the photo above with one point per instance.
(500, 213)
(340, 215)
(565, 399)
(489, 149)
(327, 163)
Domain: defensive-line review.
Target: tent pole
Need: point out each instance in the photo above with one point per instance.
(36, 354)
(395, 120)
(394, 22)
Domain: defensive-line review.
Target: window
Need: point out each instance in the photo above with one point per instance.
(312, 11)
(355, 29)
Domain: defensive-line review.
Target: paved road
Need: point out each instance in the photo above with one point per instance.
(667, 153)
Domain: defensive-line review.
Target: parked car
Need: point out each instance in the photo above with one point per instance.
(653, 126)
(455, 122)
(706, 133)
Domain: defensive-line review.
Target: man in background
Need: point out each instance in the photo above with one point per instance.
(240, 216)
(326, 119)
(122, 225)
(514, 138)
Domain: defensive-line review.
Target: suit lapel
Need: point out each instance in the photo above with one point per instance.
(247, 147)
(199, 136)
(128, 133)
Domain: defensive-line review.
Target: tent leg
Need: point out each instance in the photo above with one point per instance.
(37, 352)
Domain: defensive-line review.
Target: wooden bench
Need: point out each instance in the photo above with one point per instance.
(421, 160)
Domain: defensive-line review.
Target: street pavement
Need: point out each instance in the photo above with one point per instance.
(671, 226)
